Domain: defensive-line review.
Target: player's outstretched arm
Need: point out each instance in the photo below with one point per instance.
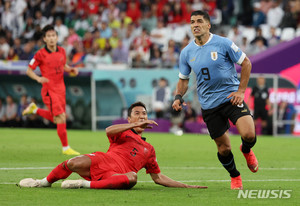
(35, 77)
(118, 128)
(168, 182)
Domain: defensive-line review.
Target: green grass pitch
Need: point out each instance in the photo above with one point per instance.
(189, 158)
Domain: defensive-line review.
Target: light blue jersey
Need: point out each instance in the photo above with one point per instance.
(213, 64)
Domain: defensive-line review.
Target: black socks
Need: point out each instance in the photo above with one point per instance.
(228, 164)
(246, 146)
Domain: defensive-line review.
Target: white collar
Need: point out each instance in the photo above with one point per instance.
(209, 39)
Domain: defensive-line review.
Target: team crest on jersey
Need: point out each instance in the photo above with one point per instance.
(214, 55)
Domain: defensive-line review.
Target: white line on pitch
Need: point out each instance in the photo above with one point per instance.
(221, 168)
(26, 168)
(172, 168)
(267, 180)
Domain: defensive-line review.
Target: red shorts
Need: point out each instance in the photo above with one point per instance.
(102, 166)
(56, 102)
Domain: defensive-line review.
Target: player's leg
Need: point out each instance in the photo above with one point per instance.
(60, 121)
(217, 126)
(116, 181)
(226, 158)
(98, 168)
(246, 128)
(45, 114)
(33, 109)
(61, 126)
(241, 117)
(58, 107)
(61, 171)
(81, 165)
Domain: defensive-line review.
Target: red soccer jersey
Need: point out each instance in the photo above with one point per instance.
(132, 153)
(52, 67)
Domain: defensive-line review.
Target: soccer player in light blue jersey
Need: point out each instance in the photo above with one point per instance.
(220, 93)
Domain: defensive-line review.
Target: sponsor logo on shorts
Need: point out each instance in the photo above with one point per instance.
(244, 110)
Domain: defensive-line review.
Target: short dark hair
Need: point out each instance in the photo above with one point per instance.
(136, 104)
(163, 79)
(48, 27)
(201, 13)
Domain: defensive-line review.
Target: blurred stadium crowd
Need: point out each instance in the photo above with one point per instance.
(140, 34)
(104, 34)
(11, 114)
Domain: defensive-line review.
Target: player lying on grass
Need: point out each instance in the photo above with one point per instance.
(117, 168)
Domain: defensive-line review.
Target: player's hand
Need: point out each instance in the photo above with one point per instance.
(237, 98)
(177, 106)
(42, 80)
(145, 124)
(197, 186)
(73, 71)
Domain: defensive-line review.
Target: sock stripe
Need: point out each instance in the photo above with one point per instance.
(226, 164)
(229, 164)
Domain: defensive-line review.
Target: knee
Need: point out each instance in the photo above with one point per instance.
(224, 150)
(132, 177)
(249, 136)
(60, 119)
(74, 164)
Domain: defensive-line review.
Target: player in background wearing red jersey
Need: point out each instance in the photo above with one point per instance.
(52, 63)
(117, 168)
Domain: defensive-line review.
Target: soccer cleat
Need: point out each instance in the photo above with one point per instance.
(72, 184)
(29, 182)
(236, 183)
(70, 151)
(30, 109)
(251, 160)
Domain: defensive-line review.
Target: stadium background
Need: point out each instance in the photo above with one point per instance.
(113, 43)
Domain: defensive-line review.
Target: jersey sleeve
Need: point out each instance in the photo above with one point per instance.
(115, 138)
(184, 68)
(152, 165)
(35, 61)
(234, 52)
